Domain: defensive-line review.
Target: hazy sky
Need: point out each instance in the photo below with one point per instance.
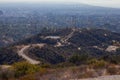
(107, 3)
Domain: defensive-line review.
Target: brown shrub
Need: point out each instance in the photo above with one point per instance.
(97, 63)
(113, 70)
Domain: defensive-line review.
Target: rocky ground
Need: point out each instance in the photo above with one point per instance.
(114, 77)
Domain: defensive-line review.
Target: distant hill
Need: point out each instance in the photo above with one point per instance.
(61, 44)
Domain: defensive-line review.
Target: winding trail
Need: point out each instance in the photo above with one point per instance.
(64, 40)
(22, 51)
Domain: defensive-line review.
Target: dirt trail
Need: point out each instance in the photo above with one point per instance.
(64, 40)
(22, 51)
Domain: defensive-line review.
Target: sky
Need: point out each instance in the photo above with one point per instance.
(105, 3)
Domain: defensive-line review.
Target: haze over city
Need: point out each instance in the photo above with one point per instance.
(104, 3)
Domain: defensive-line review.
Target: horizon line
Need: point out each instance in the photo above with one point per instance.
(70, 3)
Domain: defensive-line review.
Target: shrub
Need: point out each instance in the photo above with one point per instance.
(78, 59)
(45, 65)
(97, 63)
(6, 74)
(112, 70)
(92, 61)
(23, 68)
(42, 71)
(114, 58)
(64, 64)
(28, 77)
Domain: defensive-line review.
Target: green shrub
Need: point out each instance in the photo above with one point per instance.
(78, 59)
(23, 68)
(97, 63)
(64, 64)
(45, 65)
(92, 61)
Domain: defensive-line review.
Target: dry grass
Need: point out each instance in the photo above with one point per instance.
(67, 73)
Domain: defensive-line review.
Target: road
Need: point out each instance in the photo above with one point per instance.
(22, 51)
(64, 40)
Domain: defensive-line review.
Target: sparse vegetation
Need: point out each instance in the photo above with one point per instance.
(78, 59)
(24, 68)
(66, 61)
(113, 69)
(97, 63)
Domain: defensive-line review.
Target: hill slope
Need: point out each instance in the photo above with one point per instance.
(61, 44)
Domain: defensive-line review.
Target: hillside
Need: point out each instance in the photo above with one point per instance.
(9, 56)
(63, 54)
(60, 45)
